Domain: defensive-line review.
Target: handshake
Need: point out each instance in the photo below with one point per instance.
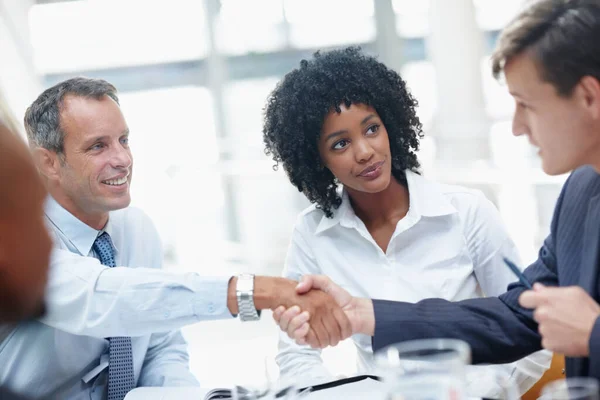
(321, 314)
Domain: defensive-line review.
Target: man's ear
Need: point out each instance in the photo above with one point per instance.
(590, 90)
(47, 162)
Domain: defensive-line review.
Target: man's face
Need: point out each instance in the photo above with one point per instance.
(96, 168)
(563, 128)
(24, 241)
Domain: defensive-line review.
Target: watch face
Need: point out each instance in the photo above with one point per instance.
(245, 283)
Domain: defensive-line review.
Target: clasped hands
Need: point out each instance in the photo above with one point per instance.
(335, 317)
(566, 316)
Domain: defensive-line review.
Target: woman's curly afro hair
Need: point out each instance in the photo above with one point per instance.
(296, 110)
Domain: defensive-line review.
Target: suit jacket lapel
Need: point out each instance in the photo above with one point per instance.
(588, 270)
(591, 243)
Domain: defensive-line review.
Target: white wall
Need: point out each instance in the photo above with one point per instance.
(19, 84)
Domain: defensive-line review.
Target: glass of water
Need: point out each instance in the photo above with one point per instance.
(424, 369)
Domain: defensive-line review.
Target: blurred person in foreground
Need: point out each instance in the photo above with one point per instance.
(550, 56)
(24, 241)
(345, 129)
(113, 316)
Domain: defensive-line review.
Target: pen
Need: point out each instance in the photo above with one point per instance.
(518, 273)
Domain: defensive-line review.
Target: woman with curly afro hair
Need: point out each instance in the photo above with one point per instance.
(345, 130)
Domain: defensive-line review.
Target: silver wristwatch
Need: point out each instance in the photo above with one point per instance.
(245, 297)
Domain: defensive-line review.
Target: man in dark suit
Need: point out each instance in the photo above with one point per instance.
(550, 55)
(24, 241)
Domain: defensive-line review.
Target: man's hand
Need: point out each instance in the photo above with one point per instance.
(565, 317)
(298, 324)
(329, 324)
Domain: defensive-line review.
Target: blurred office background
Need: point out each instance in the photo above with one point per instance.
(193, 77)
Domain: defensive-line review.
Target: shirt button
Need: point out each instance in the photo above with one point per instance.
(167, 314)
(211, 308)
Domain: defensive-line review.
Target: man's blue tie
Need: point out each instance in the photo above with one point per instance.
(120, 355)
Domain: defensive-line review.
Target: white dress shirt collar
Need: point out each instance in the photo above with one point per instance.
(81, 235)
(425, 197)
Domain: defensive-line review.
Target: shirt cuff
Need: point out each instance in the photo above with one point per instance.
(210, 301)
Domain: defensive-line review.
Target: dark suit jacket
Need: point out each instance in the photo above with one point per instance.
(498, 329)
(6, 395)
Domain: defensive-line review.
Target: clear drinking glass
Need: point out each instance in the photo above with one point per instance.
(424, 369)
(571, 389)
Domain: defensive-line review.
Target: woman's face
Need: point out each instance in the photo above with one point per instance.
(354, 146)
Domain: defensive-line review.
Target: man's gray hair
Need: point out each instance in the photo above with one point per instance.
(42, 118)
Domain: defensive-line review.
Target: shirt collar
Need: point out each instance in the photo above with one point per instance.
(343, 215)
(426, 200)
(81, 235)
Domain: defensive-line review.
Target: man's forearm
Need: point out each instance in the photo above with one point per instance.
(269, 293)
(84, 297)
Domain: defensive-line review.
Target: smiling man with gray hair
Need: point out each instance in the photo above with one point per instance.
(113, 316)
(79, 140)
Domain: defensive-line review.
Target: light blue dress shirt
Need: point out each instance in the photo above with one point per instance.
(65, 354)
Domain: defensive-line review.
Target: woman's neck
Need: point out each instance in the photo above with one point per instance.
(389, 205)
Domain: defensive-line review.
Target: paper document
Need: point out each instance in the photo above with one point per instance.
(365, 388)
